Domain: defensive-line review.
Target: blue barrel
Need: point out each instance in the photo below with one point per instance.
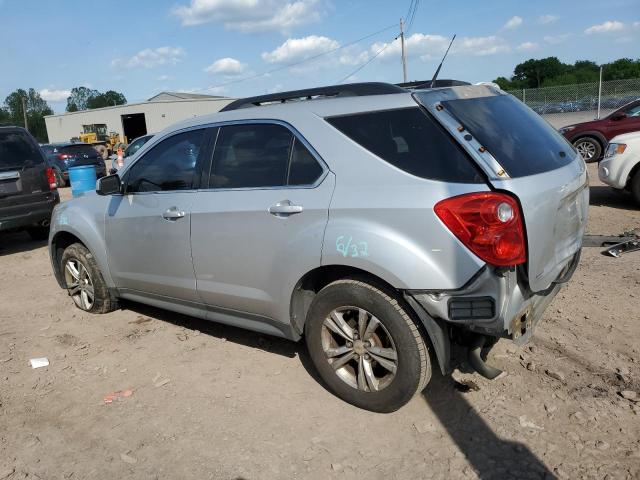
(83, 179)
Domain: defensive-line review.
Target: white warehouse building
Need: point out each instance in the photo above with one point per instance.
(135, 119)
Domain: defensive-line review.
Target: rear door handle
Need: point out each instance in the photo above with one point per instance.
(173, 213)
(285, 208)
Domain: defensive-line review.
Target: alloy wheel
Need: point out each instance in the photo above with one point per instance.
(586, 149)
(79, 284)
(359, 349)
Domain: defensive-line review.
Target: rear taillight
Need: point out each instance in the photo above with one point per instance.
(63, 156)
(51, 179)
(488, 223)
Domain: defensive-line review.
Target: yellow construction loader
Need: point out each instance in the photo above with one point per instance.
(106, 143)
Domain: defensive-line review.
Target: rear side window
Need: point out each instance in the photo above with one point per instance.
(411, 140)
(16, 149)
(304, 168)
(260, 156)
(519, 139)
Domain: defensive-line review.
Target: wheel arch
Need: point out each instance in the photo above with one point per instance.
(60, 241)
(594, 134)
(313, 281)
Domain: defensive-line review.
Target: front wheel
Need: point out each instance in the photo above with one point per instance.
(84, 281)
(589, 148)
(365, 346)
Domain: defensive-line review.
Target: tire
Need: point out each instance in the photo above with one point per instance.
(38, 233)
(362, 379)
(634, 187)
(78, 263)
(589, 148)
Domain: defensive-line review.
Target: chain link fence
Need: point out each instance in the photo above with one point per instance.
(567, 104)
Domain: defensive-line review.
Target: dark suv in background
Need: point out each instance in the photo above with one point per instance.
(62, 156)
(27, 184)
(591, 138)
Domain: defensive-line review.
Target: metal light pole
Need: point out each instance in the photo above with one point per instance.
(404, 57)
(24, 112)
(599, 93)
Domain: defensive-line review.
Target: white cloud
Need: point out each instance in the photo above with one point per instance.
(251, 15)
(513, 23)
(163, 78)
(636, 24)
(227, 66)
(546, 19)
(606, 27)
(428, 47)
(54, 95)
(295, 49)
(556, 39)
(527, 46)
(151, 57)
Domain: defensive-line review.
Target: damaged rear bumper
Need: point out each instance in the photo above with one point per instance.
(496, 303)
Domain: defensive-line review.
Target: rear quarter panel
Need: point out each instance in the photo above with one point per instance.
(381, 218)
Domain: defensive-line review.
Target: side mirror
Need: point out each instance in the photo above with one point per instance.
(618, 116)
(109, 185)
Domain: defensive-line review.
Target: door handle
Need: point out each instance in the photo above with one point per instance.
(285, 208)
(172, 214)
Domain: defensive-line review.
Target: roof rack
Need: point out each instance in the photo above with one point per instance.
(348, 90)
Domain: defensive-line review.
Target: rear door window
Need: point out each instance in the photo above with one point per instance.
(16, 150)
(251, 156)
(411, 140)
(519, 139)
(304, 168)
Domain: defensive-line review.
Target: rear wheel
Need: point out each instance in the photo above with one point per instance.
(365, 346)
(84, 281)
(589, 148)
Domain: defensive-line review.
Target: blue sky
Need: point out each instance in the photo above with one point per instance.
(143, 47)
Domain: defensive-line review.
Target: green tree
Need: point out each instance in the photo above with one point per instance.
(83, 98)
(621, 69)
(109, 98)
(37, 109)
(533, 73)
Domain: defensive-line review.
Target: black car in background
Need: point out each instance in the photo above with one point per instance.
(62, 156)
(27, 184)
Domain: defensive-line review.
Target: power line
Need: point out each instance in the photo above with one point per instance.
(368, 61)
(309, 59)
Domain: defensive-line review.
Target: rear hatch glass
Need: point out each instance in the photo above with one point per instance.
(21, 165)
(80, 154)
(546, 175)
(519, 139)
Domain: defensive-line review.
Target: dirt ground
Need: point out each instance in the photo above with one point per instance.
(217, 402)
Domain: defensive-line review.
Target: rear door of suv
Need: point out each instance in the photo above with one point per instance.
(259, 224)
(22, 170)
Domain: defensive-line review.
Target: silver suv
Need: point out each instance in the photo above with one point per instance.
(384, 226)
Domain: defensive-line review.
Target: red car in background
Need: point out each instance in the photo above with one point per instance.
(591, 138)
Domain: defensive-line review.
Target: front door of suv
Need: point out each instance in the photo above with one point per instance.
(259, 225)
(148, 228)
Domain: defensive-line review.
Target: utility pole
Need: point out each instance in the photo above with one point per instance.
(599, 92)
(24, 112)
(404, 56)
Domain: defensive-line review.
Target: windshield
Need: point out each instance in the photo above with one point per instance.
(519, 139)
(16, 150)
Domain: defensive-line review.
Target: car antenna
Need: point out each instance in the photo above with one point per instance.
(435, 75)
